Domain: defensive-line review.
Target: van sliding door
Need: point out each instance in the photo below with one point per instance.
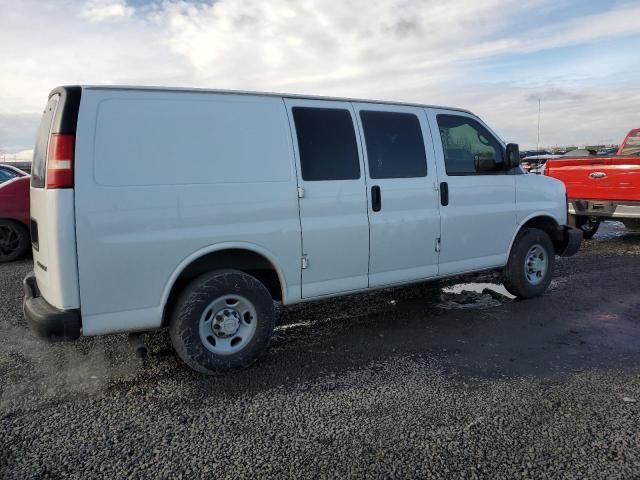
(404, 212)
(333, 197)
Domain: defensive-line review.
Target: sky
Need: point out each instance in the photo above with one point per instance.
(499, 58)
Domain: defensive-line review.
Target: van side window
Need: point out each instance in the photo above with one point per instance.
(469, 148)
(395, 147)
(327, 144)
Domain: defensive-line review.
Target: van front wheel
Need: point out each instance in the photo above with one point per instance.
(223, 321)
(531, 263)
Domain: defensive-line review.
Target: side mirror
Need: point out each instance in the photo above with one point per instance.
(513, 155)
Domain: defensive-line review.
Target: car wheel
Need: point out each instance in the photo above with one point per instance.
(588, 225)
(530, 266)
(14, 241)
(222, 321)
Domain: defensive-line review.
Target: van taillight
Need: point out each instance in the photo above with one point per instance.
(60, 160)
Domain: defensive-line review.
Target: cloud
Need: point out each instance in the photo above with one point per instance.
(591, 115)
(342, 47)
(556, 94)
(617, 22)
(17, 131)
(104, 10)
(428, 51)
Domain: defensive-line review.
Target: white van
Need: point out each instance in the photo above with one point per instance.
(197, 209)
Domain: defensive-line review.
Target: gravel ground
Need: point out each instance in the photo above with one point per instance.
(412, 382)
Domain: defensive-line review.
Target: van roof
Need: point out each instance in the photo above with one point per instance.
(269, 94)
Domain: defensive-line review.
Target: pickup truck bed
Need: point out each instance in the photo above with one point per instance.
(602, 187)
(608, 178)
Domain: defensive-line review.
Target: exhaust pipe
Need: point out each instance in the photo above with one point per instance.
(138, 345)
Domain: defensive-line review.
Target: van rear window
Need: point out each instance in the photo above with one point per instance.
(39, 165)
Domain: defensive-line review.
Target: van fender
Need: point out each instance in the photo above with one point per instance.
(217, 248)
(529, 217)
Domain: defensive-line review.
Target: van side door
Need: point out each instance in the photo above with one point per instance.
(332, 197)
(403, 205)
(477, 193)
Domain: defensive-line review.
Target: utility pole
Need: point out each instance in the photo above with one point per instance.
(539, 101)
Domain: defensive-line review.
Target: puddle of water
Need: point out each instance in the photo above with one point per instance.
(558, 282)
(478, 287)
(474, 295)
(293, 325)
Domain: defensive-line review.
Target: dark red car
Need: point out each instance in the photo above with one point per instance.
(14, 213)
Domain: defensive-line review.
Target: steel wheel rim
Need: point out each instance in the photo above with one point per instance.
(536, 264)
(228, 324)
(9, 241)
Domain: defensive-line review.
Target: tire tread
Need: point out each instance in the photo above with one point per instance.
(513, 275)
(183, 328)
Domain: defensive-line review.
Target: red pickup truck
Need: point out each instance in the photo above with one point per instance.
(601, 188)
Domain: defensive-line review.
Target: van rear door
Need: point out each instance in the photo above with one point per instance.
(52, 201)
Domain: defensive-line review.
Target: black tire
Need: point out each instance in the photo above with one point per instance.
(191, 308)
(588, 225)
(632, 224)
(515, 275)
(14, 241)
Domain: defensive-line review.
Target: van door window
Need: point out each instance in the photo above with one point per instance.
(395, 147)
(469, 148)
(327, 144)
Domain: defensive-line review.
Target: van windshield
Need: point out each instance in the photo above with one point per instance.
(39, 165)
(632, 145)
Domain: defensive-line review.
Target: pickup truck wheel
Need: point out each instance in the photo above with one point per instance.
(14, 241)
(222, 321)
(588, 225)
(531, 264)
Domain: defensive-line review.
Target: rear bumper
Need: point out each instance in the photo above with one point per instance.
(605, 208)
(46, 320)
(570, 240)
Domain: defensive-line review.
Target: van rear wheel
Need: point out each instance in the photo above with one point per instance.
(531, 264)
(223, 321)
(14, 241)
